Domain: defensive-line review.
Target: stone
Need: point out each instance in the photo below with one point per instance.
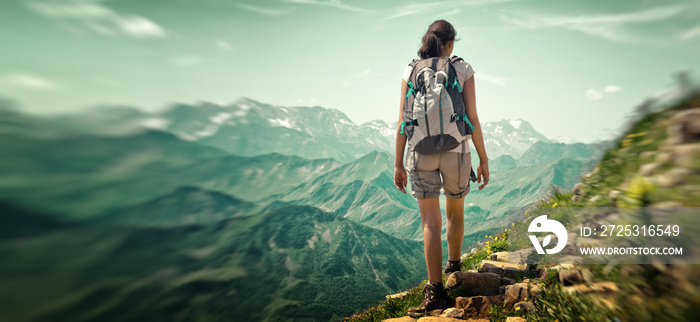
(570, 277)
(577, 188)
(600, 287)
(507, 281)
(673, 177)
(438, 319)
(649, 168)
(515, 319)
(396, 296)
(495, 270)
(685, 154)
(453, 313)
(512, 272)
(594, 199)
(685, 127)
(614, 194)
(474, 283)
(485, 264)
(663, 157)
(587, 275)
(647, 154)
(499, 256)
(666, 204)
(514, 293)
(502, 289)
(477, 306)
(401, 319)
(524, 307)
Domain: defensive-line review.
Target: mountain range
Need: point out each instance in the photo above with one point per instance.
(274, 209)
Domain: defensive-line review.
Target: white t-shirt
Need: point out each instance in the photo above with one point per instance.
(464, 72)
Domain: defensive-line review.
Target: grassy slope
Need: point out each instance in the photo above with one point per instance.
(648, 292)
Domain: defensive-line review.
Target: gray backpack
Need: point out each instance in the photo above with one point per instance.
(434, 117)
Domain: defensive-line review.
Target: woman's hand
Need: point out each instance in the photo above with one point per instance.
(482, 172)
(400, 178)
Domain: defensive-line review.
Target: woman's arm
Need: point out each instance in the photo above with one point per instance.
(400, 177)
(469, 97)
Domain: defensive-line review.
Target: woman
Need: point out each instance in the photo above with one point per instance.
(431, 172)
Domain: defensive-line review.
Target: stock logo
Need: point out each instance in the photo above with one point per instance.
(543, 225)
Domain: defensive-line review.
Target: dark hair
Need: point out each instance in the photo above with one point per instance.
(439, 33)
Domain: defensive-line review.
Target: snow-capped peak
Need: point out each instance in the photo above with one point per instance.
(515, 123)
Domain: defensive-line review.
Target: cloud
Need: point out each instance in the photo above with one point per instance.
(364, 74)
(31, 81)
(223, 45)
(93, 16)
(424, 8)
(610, 26)
(594, 95)
(265, 11)
(691, 33)
(493, 79)
(331, 3)
(186, 61)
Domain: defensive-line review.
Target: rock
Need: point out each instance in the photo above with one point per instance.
(594, 199)
(507, 281)
(512, 272)
(614, 194)
(570, 277)
(667, 204)
(397, 295)
(401, 319)
(514, 293)
(438, 319)
(429, 313)
(663, 157)
(475, 283)
(502, 289)
(647, 154)
(524, 307)
(648, 168)
(495, 270)
(577, 188)
(486, 264)
(515, 319)
(605, 287)
(453, 313)
(500, 256)
(685, 154)
(477, 306)
(587, 275)
(685, 127)
(601, 287)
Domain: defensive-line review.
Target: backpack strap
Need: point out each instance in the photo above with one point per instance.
(410, 93)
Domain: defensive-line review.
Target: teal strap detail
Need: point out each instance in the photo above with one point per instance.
(403, 124)
(466, 119)
(411, 91)
(456, 84)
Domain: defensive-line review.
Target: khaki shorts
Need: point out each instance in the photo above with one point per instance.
(447, 170)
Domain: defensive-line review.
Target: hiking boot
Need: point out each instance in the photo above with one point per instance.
(452, 266)
(434, 298)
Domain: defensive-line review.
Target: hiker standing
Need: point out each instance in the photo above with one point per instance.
(437, 118)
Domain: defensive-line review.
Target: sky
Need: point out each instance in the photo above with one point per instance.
(573, 69)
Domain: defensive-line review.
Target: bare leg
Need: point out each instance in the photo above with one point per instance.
(432, 226)
(455, 227)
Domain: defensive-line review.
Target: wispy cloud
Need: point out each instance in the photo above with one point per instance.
(594, 95)
(265, 11)
(31, 81)
(429, 7)
(493, 79)
(93, 16)
(691, 33)
(607, 26)
(331, 3)
(224, 45)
